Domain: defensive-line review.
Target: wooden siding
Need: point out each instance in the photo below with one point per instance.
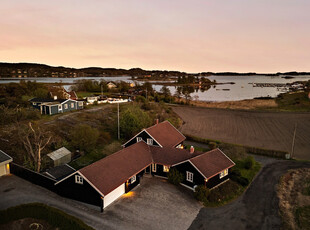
(144, 135)
(81, 192)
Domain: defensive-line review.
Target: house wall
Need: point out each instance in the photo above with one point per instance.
(144, 137)
(216, 180)
(69, 107)
(2, 170)
(159, 171)
(54, 109)
(129, 186)
(81, 192)
(197, 178)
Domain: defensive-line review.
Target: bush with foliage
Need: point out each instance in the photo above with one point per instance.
(249, 162)
(84, 137)
(132, 121)
(175, 177)
(212, 145)
(201, 193)
(55, 217)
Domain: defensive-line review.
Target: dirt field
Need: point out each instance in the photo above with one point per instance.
(290, 195)
(269, 130)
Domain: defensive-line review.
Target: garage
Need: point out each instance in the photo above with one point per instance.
(114, 195)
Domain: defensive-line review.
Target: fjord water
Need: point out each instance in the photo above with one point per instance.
(241, 89)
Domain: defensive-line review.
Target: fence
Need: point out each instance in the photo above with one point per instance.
(33, 177)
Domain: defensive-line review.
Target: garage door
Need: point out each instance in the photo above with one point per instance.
(112, 196)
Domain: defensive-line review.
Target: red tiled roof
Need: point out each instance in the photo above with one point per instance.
(212, 162)
(166, 134)
(110, 172)
(171, 155)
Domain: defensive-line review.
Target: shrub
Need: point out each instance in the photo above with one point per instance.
(140, 99)
(84, 137)
(201, 193)
(175, 177)
(249, 162)
(212, 145)
(240, 180)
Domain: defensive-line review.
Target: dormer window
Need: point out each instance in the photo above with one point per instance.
(139, 139)
(149, 141)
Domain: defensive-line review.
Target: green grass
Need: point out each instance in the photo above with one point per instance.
(55, 217)
(302, 217)
(84, 94)
(298, 101)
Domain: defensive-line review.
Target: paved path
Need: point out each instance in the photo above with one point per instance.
(155, 204)
(256, 209)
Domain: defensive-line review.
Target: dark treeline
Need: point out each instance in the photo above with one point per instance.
(41, 70)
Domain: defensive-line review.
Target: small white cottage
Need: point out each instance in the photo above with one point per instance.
(60, 156)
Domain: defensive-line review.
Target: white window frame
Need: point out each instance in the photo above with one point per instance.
(154, 167)
(133, 179)
(66, 106)
(165, 168)
(149, 141)
(78, 179)
(80, 103)
(139, 139)
(34, 103)
(223, 173)
(189, 176)
(59, 107)
(72, 105)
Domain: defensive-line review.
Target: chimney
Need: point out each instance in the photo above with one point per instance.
(156, 121)
(55, 98)
(192, 150)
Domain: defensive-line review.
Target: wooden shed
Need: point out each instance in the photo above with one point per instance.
(60, 156)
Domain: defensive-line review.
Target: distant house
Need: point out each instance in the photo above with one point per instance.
(60, 156)
(57, 92)
(111, 85)
(91, 99)
(51, 107)
(5, 161)
(155, 150)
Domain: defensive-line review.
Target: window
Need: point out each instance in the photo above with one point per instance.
(80, 103)
(139, 139)
(59, 107)
(78, 179)
(154, 166)
(34, 103)
(66, 106)
(149, 141)
(72, 105)
(189, 176)
(166, 168)
(224, 173)
(133, 179)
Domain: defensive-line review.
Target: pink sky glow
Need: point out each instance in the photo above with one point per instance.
(191, 36)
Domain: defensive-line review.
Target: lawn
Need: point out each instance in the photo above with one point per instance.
(51, 216)
(297, 101)
(302, 217)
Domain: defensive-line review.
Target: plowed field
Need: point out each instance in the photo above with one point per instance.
(269, 130)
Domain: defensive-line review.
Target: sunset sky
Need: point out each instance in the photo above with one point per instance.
(192, 36)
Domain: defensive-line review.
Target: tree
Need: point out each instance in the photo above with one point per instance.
(165, 91)
(84, 137)
(34, 141)
(175, 177)
(132, 121)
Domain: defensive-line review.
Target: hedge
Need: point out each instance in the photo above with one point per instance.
(53, 216)
(248, 149)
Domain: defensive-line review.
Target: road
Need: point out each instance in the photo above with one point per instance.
(256, 209)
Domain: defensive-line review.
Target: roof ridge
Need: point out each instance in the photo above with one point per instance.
(206, 153)
(113, 154)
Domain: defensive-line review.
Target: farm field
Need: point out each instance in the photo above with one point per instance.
(269, 130)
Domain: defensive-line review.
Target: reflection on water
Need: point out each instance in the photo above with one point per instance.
(242, 89)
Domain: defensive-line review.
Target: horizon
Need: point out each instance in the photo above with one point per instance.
(214, 36)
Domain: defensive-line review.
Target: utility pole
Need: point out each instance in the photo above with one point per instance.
(101, 91)
(118, 133)
(293, 144)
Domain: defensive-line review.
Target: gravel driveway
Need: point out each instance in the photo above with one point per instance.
(155, 204)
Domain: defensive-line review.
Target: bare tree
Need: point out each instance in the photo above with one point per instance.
(34, 141)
